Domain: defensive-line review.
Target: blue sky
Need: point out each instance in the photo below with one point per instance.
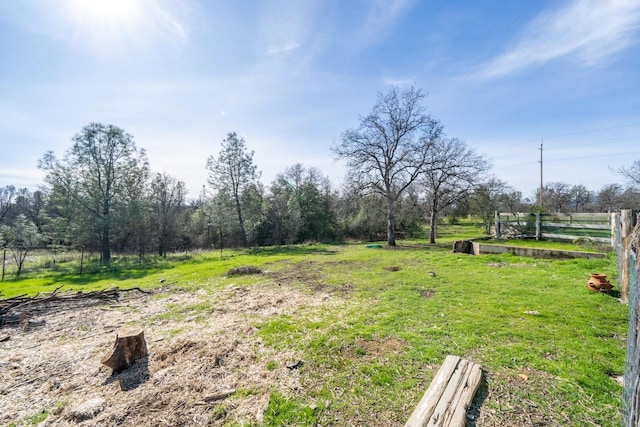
(291, 76)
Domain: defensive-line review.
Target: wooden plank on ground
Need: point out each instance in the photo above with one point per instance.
(447, 399)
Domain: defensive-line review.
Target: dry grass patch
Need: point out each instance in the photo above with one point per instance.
(55, 370)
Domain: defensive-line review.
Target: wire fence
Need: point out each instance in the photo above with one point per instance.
(577, 227)
(626, 247)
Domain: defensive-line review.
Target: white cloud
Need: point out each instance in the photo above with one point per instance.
(283, 48)
(588, 30)
(398, 82)
(381, 15)
(285, 25)
(26, 177)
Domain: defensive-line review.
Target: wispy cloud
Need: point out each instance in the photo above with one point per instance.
(399, 82)
(282, 48)
(286, 25)
(588, 30)
(380, 17)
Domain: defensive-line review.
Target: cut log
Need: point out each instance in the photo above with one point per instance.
(446, 401)
(130, 346)
(463, 247)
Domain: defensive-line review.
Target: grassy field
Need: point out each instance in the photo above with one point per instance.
(549, 348)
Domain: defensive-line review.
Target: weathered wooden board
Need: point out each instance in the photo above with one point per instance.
(446, 401)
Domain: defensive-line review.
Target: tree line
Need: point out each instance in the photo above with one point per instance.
(404, 173)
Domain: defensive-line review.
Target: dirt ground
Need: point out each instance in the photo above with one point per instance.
(201, 370)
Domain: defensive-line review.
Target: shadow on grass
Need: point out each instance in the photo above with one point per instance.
(474, 409)
(614, 294)
(295, 250)
(131, 267)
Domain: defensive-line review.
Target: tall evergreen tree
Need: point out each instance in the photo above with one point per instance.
(102, 172)
(232, 173)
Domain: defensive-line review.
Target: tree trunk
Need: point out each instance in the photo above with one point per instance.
(243, 234)
(391, 226)
(106, 246)
(432, 224)
(130, 346)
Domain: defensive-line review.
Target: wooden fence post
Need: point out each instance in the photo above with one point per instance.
(538, 227)
(626, 227)
(613, 220)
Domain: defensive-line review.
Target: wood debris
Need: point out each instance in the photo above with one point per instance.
(18, 310)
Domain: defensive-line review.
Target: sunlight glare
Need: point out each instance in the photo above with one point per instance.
(105, 24)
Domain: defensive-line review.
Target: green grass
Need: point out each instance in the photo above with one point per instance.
(474, 307)
(32, 420)
(286, 411)
(547, 345)
(183, 272)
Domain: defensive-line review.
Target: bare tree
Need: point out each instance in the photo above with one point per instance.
(629, 199)
(556, 195)
(387, 152)
(609, 197)
(102, 171)
(513, 201)
(631, 173)
(579, 197)
(21, 238)
(449, 175)
(232, 173)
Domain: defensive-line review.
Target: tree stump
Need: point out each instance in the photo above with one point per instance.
(130, 346)
(463, 247)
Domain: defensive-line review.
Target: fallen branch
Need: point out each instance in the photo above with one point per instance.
(135, 289)
(22, 307)
(219, 395)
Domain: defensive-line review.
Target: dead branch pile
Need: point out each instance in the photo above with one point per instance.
(244, 270)
(17, 310)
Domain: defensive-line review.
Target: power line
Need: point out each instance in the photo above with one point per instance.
(599, 141)
(593, 130)
(595, 156)
(628, 125)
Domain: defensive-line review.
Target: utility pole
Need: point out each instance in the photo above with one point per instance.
(541, 184)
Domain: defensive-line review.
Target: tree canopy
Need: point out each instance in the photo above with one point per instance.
(232, 173)
(389, 149)
(101, 173)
